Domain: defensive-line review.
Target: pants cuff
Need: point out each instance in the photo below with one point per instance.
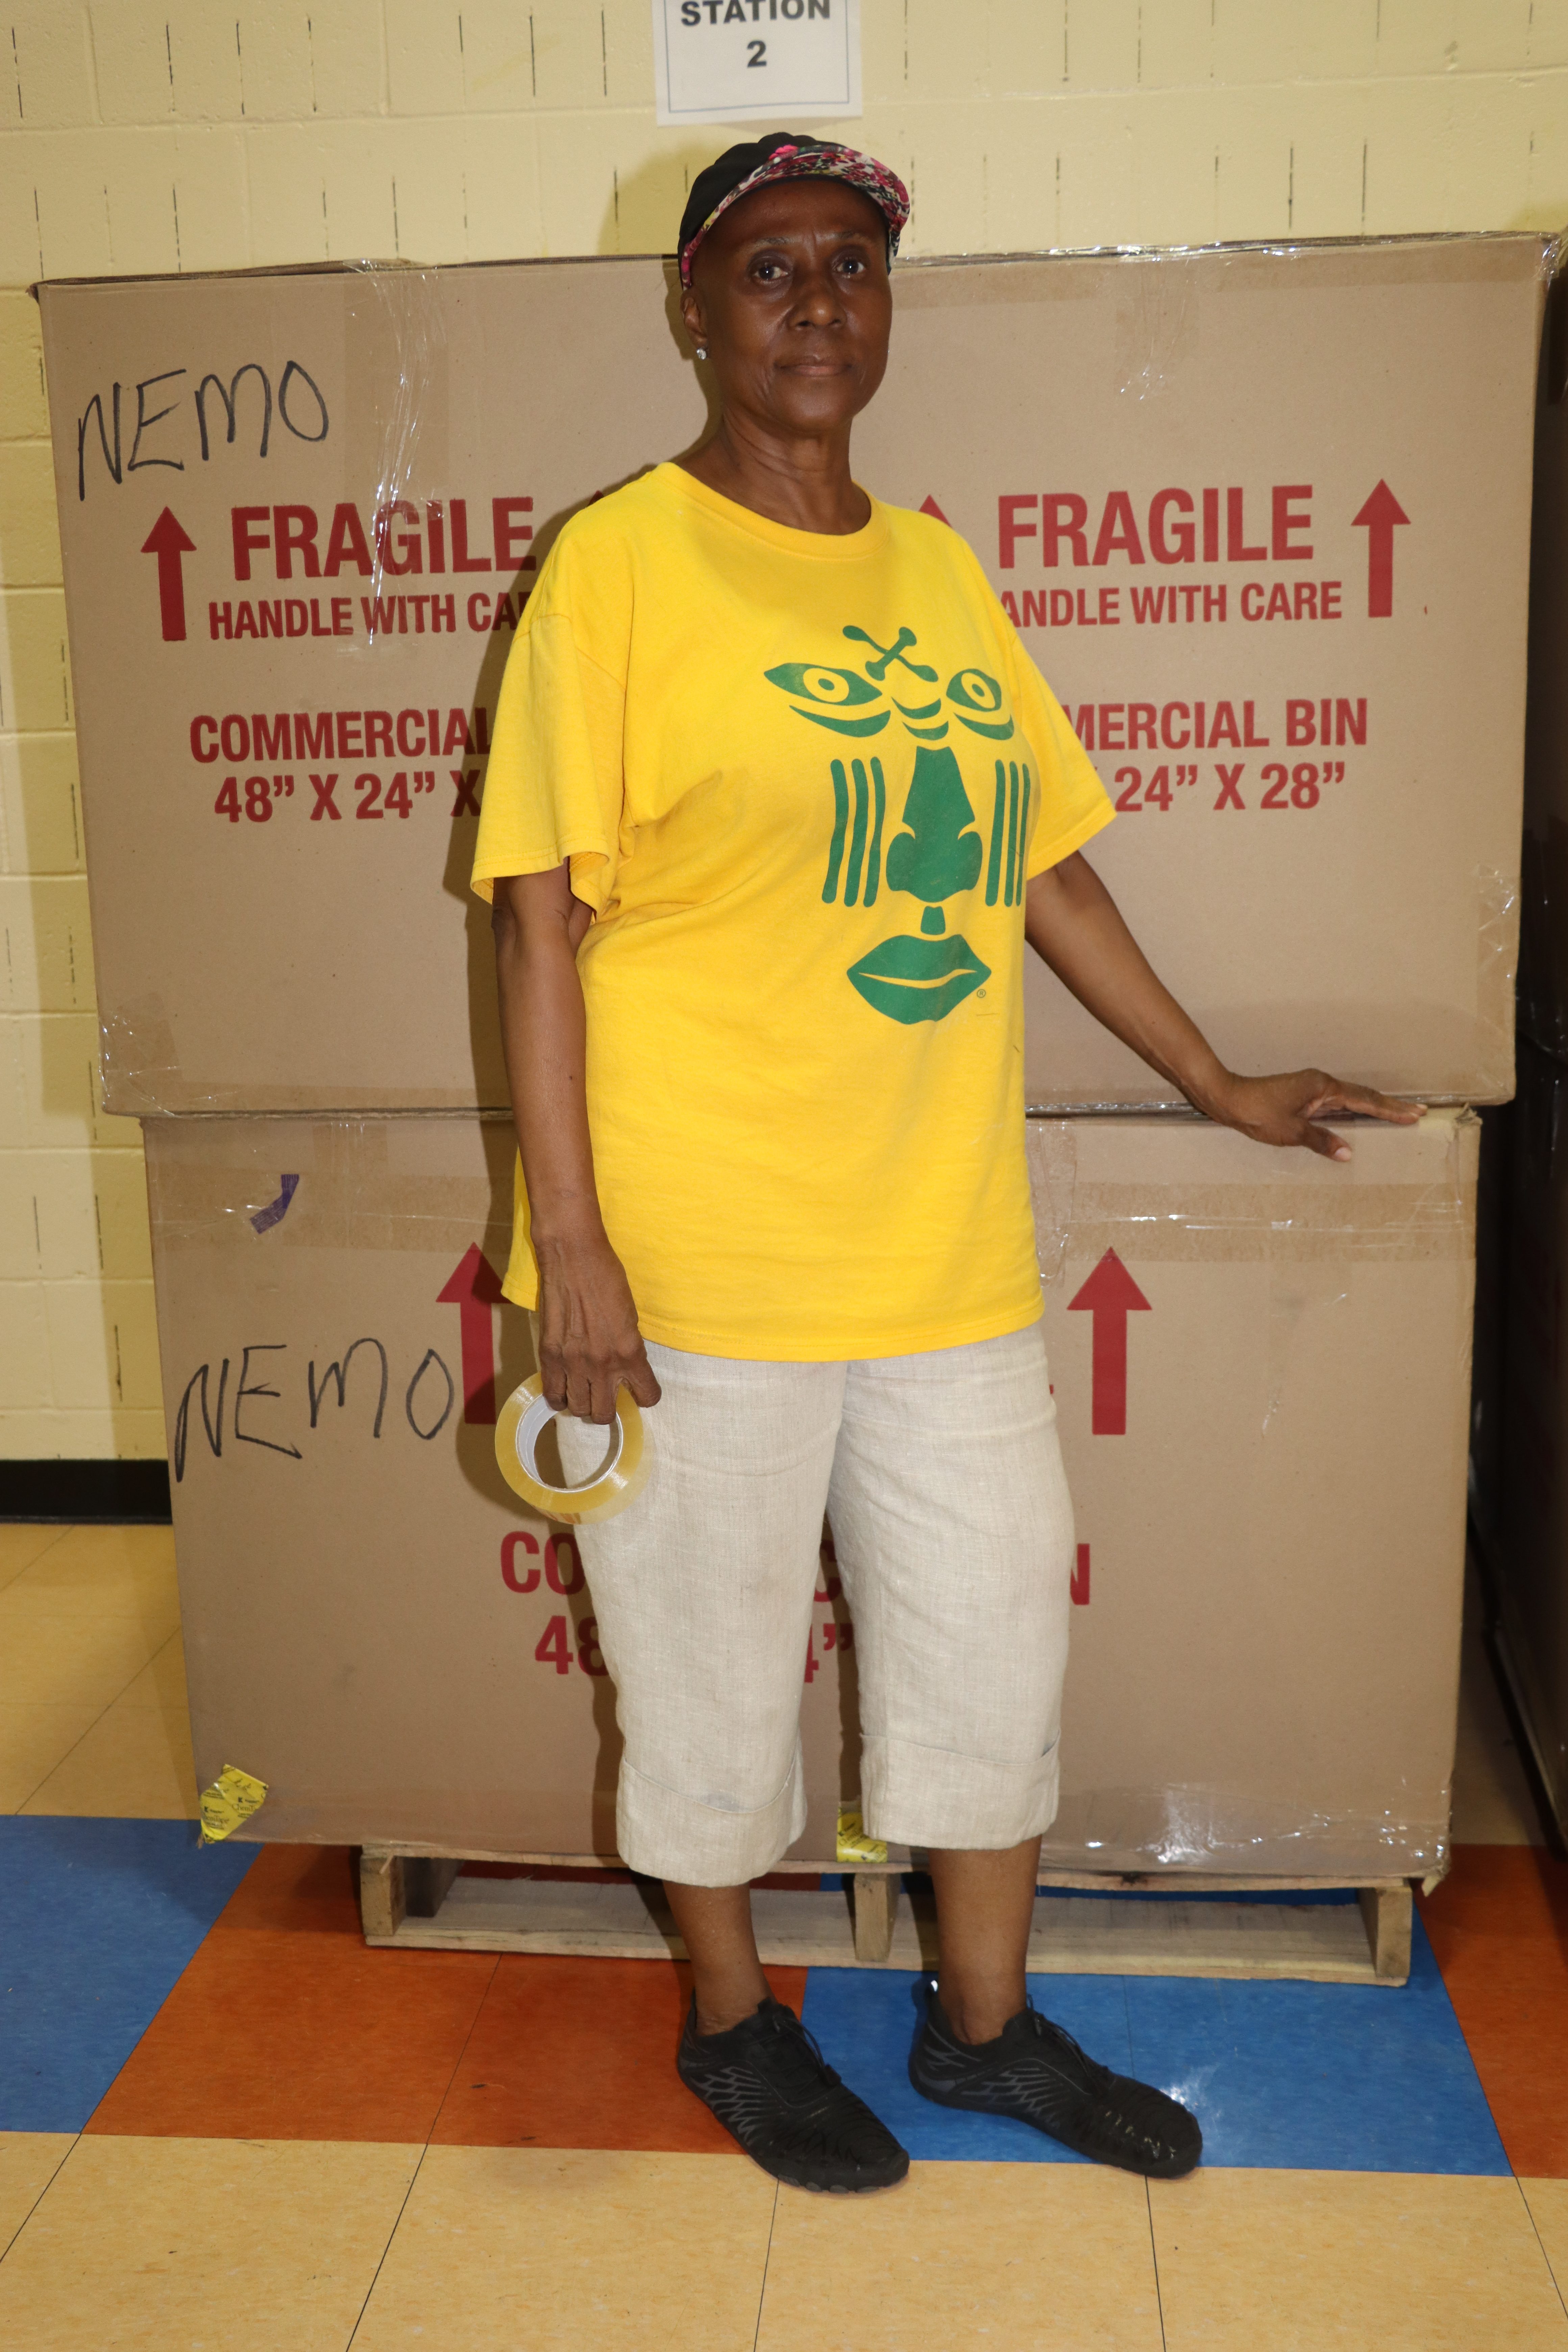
(665, 1834)
(931, 1797)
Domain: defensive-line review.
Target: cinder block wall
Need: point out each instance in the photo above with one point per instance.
(145, 137)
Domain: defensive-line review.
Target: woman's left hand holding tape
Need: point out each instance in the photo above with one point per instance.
(618, 1480)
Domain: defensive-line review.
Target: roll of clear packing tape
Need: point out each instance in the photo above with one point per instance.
(522, 1422)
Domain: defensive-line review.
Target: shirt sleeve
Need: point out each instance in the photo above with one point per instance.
(554, 785)
(1074, 803)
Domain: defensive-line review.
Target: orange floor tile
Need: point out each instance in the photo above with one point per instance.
(286, 2027)
(1499, 1925)
(581, 2053)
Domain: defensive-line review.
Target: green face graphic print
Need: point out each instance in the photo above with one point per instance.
(936, 854)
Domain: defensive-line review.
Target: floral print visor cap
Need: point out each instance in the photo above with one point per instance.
(789, 157)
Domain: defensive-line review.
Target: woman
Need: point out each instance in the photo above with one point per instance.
(776, 797)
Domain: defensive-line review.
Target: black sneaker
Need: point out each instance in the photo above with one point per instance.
(1036, 2072)
(766, 2081)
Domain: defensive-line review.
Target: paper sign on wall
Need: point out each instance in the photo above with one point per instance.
(731, 61)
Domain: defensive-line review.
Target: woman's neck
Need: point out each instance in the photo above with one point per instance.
(804, 484)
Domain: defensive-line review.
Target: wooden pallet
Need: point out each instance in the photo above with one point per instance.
(875, 1919)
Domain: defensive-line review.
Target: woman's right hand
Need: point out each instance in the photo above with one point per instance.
(589, 1344)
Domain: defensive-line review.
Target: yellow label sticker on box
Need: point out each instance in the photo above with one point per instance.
(230, 1802)
(854, 1845)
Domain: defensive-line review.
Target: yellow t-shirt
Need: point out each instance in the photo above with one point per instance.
(801, 780)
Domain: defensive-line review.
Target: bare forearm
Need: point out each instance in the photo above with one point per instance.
(589, 1343)
(544, 1039)
(1072, 920)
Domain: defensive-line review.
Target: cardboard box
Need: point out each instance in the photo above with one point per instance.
(1528, 1561)
(1260, 1361)
(1543, 944)
(1261, 515)
(283, 710)
(1335, 881)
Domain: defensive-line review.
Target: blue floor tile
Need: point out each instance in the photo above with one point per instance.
(1343, 2078)
(1327, 2078)
(99, 1919)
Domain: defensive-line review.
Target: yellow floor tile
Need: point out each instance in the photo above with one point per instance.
(161, 1682)
(574, 2250)
(28, 2161)
(33, 1740)
(51, 1656)
(1548, 2203)
(146, 2245)
(1303, 2262)
(20, 1545)
(112, 1571)
(133, 1764)
(1017, 2257)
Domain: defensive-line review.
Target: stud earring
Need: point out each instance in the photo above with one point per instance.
(701, 351)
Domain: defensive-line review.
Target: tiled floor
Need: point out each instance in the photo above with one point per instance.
(92, 1681)
(225, 2123)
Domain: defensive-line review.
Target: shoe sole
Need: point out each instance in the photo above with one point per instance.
(1177, 2171)
(828, 2188)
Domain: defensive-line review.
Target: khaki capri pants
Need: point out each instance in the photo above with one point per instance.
(942, 1476)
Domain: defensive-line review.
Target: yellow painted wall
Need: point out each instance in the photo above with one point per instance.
(142, 137)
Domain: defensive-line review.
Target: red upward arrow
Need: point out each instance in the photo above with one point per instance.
(1381, 514)
(930, 506)
(1109, 1295)
(474, 1288)
(168, 542)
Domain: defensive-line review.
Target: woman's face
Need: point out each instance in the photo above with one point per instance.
(790, 295)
